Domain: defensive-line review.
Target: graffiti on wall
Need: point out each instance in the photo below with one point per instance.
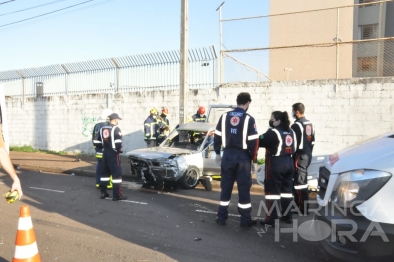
(88, 124)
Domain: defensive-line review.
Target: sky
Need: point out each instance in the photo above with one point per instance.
(108, 28)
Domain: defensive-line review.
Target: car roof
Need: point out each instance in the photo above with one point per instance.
(222, 106)
(196, 126)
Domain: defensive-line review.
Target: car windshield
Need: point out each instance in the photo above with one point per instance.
(188, 139)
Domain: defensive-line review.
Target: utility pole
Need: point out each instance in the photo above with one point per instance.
(184, 64)
(221, 44)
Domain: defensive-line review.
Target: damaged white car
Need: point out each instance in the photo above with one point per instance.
(185, 157)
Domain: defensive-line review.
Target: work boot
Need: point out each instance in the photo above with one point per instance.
(248, 224)
(267, 222)
(287, 219)
(221, 222)
(104, 195)
(119, 198)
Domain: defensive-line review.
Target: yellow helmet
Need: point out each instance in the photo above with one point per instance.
(153, 111)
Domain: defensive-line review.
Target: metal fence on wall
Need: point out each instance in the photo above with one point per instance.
(154, 71)
(331, 43)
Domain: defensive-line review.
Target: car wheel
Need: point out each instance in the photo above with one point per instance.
(190, 179)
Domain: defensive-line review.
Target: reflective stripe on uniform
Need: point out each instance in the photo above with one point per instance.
(301, 187)
(99, 155)
(118, 141)
(302, 135)
(244, 206)
(252, 137)
(218, 133)
(96, 142)
(280, 142)
(245, 132)
(286, 195)
(113, 136)
(116, 181)
(295, 140)
(104, 179)
(224, 203)
(224, 116)
(272, 197)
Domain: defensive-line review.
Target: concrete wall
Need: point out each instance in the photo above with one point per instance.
(343, 112)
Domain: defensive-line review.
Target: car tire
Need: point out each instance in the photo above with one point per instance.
(190, 178)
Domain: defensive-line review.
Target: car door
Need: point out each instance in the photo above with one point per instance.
(210, 167)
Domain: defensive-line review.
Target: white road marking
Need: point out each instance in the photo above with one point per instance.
(230, 215)
(48, 189)
(129, 201)
(211, 212)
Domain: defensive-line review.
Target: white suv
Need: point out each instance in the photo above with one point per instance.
(356, 201)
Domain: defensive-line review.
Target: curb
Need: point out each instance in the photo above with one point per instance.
(255, 189)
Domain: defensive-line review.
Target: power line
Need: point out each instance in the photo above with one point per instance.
(54, 2)
(7, 2)
(46, 13)
(53, 15)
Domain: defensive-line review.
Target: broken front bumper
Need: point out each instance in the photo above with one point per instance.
(159, 171)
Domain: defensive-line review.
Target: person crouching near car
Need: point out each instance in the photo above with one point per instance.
(279, 142)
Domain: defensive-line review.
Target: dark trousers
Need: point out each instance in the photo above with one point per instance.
(99, 161)
(111, 165)
(235, 167)
(278, 184)
(300, 190)
(98, 166)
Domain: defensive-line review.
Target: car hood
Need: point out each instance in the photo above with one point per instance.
(376, 153)
(157, 152)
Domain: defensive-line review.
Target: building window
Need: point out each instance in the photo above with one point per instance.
(367, 63)
(367, 1)
(368, 31)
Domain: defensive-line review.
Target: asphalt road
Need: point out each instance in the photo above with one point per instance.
(71, 223)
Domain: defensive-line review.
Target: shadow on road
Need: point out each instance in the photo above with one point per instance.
(180, 224)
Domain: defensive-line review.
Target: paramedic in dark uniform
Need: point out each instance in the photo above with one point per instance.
(97, 144)
(111, 138)
(236, 133)
(305, 133)
(279, 142)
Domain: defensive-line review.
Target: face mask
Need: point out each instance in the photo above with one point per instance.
(246, 110)
(201, 115)
(294, 116)
(154, 117)
(271, 123)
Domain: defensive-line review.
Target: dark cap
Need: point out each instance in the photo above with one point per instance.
(114, 116)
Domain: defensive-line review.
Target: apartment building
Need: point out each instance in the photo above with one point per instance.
(309, 39)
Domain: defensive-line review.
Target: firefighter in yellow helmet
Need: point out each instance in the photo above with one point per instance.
(151, 128)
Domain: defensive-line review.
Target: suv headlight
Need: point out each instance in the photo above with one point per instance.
(354, 187)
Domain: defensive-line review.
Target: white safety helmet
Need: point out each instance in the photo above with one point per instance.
(104, 115)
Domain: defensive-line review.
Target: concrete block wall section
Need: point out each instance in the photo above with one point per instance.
(343, 112)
